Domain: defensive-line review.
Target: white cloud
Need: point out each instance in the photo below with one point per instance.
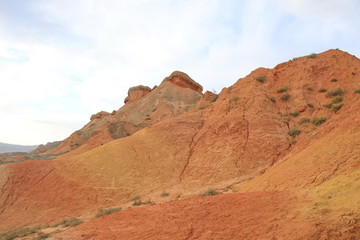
(69, 59)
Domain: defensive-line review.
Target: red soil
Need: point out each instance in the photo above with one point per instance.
(263, 215)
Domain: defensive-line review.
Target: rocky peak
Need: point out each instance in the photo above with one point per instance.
(135, 93)
(99, 115)
(183, 80)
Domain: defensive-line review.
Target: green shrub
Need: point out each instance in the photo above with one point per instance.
(102, 212)
(318, 120)
(272, 99)
(309, 88)
(333, 80)
(261, 78)
(71, 222)
(20, 232)
(357, 90)
(336, 106)
(294, 114)
(303, 120)
(335, 92)
(282, 89)
(322, 90)
(135, 198)
(204, 106)
(294, 132)
(313, 55)
(285, 97)
(210, 192)
(337, 99)
(329, 105)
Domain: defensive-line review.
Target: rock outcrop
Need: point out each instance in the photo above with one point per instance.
(144, 107)
(135, 93)
(183, 80)
(99, 116)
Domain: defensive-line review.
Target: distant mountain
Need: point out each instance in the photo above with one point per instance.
(5, 147)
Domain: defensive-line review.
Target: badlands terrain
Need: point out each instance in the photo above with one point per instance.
(274, 156)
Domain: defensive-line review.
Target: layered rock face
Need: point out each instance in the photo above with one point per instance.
(286, 138)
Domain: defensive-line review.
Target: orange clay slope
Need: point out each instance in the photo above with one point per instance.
(239, 142)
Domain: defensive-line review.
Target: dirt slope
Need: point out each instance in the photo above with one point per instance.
(258, 137)
(232, 216)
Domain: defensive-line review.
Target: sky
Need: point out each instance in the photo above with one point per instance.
(63, 60)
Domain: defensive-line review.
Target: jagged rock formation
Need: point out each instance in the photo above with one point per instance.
(276, 137)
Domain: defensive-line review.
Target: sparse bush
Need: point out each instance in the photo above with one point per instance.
(164, 194)
(318, 120)
(310, 105)
(272, 99)
(322, 90)
(286, 120)
(337, 99)
(210, 192)
(303, 120)
(204, 106)
(20, 232)
(313, 55)
(294, 114)
(261, 78)
(333, 80)
(294, 132)
(335, 92)
(139, 202)
(327, 105)
(235, 98)
(147, 118)
(282, 89)
(353, 73)
(135, 198)
(285, 97)
(357, 90)
(102, 212)
(71, 222)
(309, 88)
(42, 235)
(336, 106)
(187, 108)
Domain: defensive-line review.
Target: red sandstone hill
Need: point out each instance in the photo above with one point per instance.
(282, 144)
